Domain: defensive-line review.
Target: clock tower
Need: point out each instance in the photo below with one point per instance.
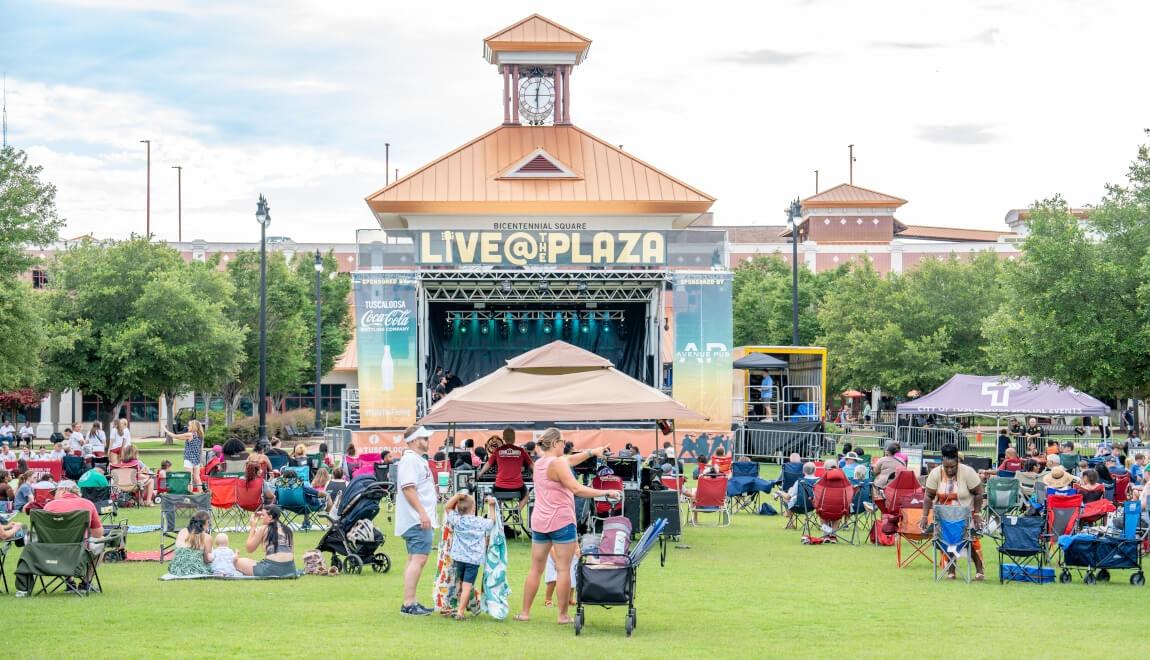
(535, 57)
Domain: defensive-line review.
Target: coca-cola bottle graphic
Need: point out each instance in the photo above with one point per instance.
(387, 371)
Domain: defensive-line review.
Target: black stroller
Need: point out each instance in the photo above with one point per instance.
(609, 580)
(352, 539)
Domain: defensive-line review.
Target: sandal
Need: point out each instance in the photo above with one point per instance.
(566, 622)
(459, 617)
(548, 603)
(979, 577)
(522, 617)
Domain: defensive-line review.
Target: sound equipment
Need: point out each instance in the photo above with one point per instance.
(626, 469)
(632, 509)
(662, 504)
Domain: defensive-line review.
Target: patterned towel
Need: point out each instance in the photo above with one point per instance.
(495, 588)
(445, 591)
(143, 529)
(168, 576)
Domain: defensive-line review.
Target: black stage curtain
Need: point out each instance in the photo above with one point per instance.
(472, 354)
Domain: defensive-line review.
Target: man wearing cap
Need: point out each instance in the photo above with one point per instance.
(415, 513)
(68, 499)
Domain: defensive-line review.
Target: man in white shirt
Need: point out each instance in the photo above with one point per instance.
(415, 513)
(7, 432)
(27, 433)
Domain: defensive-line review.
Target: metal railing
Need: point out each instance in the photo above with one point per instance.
(337, 438)
(776, 445)
(930, 438)
(349, 407)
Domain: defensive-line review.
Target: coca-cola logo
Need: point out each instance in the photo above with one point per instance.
(393, 318)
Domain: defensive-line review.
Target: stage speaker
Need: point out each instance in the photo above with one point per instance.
(663, 504)
(632, 509)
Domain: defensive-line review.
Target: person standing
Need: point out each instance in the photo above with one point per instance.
(76, 440)
(97, 442)
(553, 520)
(415, 513)
(120, 437)
(193, 449)
(956, 483)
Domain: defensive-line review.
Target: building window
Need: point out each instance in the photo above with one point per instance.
(329, 398)
(138, 408)
(39, 279)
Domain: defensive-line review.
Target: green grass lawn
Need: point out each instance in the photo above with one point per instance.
(747, 590)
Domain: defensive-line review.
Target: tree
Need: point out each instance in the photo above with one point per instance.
(762, 301)
(22, 338)
(1077, 304)
(184, 335)
(287, 328)
(132, 317)
(27, 213)
(911, 330)
(335, 315)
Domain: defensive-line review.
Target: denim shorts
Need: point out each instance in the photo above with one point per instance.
(418, 540)
(269, 568)
(466, 572)
(565, 534)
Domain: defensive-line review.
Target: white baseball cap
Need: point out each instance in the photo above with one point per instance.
(419, 432)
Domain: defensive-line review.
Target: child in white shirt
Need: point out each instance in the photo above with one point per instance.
(223, 558)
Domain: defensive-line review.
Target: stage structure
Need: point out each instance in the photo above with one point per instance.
(535, 231)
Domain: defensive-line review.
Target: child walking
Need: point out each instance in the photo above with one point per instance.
(551, 576)
(469, 542)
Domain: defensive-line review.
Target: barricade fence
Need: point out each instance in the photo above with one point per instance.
(927, 437)
(776, 445)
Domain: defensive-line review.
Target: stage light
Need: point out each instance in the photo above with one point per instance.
(582, 287)
(584, 328)
(606, 327)
(483, 328)
(546, 327)
(544, 286)
(505, 287)
(462, 329)
(522, 327)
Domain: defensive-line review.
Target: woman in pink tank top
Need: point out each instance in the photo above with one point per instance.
(553, 520)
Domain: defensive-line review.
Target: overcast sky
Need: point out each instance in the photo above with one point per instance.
(966, 109)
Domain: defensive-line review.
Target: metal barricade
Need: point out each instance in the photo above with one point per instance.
(929, 438)
(776, 445)
(337, 439)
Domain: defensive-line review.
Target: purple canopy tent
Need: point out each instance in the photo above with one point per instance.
(997, 395)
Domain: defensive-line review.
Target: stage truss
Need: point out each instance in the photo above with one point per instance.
(535, 286)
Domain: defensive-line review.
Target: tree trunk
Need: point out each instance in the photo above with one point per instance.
(170, 407)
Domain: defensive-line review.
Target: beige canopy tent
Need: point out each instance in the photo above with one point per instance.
(557, 382)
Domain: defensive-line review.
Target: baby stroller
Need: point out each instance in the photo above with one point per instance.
(606, 574)
(352, 539)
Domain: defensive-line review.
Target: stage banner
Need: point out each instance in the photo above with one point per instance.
(701, 375)
(385, 336)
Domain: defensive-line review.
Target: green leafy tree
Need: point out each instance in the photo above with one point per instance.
(288, 302)
(1077, 305)
(335, 314)
(762, 301)
(184, 334)
(27, 213)
(22, 338)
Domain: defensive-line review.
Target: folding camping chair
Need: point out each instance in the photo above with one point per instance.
(225, 514)
(175, 512)
(1003, 498)
(126, 486)
(903, 487)
(1022, 542)
(833, 496)
(101, 498)
(910, 532)
(293, 501)
(74, 467)
(952, 539)
(58, 556)
(1121, 489)
(802, 507)
(249, 498)
(862, 514)
(710, 497)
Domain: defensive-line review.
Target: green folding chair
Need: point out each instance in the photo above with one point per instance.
(1003, 498)
(58, 556)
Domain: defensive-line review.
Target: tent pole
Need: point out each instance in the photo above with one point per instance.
(675, 450)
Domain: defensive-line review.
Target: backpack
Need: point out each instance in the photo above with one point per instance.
(767, 510)
(313, 563)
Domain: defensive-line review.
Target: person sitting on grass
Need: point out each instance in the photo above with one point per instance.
(223, 558)
(469, 542)
(23, 491)
(276, 537)
(193, 553)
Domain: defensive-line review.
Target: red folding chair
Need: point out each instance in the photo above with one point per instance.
(711, 497)
(224, 510)
(910, 532)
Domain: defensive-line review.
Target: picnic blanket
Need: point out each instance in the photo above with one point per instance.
(168, 576)
(445, 591)
(143, 529)
(495, 588)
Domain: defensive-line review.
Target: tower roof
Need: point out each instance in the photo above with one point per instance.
(847, 195)
(536, 34)
(599, 179)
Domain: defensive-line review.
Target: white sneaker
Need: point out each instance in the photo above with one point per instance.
(827, 529)
(21, 594)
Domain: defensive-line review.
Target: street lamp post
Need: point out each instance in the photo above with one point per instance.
(148, 218)
(318, 334)
(179, 202)
(264, 216)
(794, 212)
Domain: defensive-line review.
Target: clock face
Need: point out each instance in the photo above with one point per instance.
(536, 98)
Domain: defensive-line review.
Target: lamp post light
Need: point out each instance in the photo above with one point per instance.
(264, 217)
(179, 202)
(148, 217)
(318, 334)
(794, 212)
